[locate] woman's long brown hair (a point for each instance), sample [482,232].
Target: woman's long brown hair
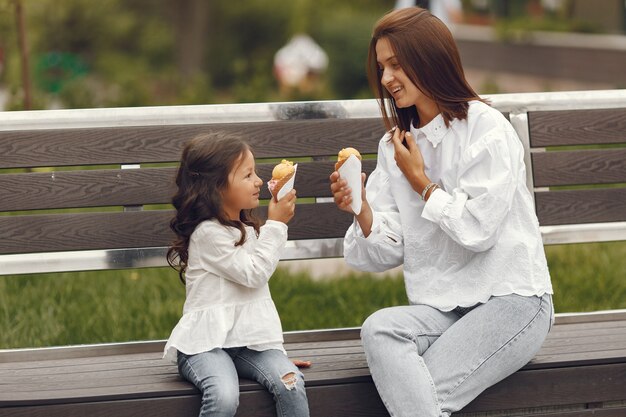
[427,53]
[202,176]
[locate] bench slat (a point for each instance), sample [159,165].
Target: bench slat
[119,187]
[579,167]
[132,145]
[551,387]
[577,127]
[581,206]
[85,231]
[179,406]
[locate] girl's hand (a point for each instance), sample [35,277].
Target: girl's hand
[410,161]
[284,209]
[301,364]
[342,194]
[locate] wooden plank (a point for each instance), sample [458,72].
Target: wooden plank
[93,188]
[131,145]
[599,346]
[590,412]
[584,340]
[581,206]
[550,387]
[130,349]
[78,353]
[117,187]
[85,231]
[603,166]
[539,388]
[577,127]
[180,406]
[577,359]
[590,316]
[346,400]
[338,400]
[583,325]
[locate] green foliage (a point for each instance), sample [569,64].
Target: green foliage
[346,302]
[119,53]
[347,52]
[588,277]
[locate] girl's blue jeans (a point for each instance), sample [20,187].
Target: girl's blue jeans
[431,363]
[216,374]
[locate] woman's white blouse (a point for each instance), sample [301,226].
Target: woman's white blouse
[476,237]
[228,302]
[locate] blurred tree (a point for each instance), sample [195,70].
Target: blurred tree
[153,52]
[190,23]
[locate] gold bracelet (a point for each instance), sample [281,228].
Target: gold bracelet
[432,191]
[427,188]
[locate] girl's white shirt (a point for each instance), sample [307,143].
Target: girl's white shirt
[228,301]
[476,237]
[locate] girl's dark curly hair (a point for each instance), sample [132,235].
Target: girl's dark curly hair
[202,176]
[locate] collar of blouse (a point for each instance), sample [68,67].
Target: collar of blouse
[434,131]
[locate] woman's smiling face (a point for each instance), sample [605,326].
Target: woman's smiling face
[393,78]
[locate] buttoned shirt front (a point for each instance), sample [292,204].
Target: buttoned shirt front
[477,236]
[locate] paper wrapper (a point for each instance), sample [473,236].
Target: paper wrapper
[351,172]
[288,185]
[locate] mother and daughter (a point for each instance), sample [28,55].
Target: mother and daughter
[447,200]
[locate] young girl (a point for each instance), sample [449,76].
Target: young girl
[230,327]
[448,199]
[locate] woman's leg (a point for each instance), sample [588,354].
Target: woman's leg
[273,369]
[394,339]
[486,345]
[215,376]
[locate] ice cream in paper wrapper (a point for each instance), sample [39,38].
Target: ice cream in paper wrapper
[350,171]
[283,189]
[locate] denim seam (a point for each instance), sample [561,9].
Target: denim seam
[432,385]
[504,346]
[414,335]
[386,404]
[195,375]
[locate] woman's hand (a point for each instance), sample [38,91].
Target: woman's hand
[284,209]
[342,195]
[410,161]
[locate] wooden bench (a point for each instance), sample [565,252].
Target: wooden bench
[579,372]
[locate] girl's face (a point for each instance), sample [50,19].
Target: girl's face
[244,187]
[394,79]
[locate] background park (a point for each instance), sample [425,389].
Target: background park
[127,53]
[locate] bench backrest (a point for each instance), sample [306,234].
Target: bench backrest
[116,166]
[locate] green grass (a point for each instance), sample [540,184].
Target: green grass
[113,306]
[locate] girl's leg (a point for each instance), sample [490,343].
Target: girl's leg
[394,339]
[273,369]
[486,345]
[215,376]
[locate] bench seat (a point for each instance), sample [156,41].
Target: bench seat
[584,358]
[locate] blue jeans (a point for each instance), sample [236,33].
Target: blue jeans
[431,363]
[216,374]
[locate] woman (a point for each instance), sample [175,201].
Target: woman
[448,200]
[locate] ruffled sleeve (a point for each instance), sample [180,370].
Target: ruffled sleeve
[383,249]
[488,174]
